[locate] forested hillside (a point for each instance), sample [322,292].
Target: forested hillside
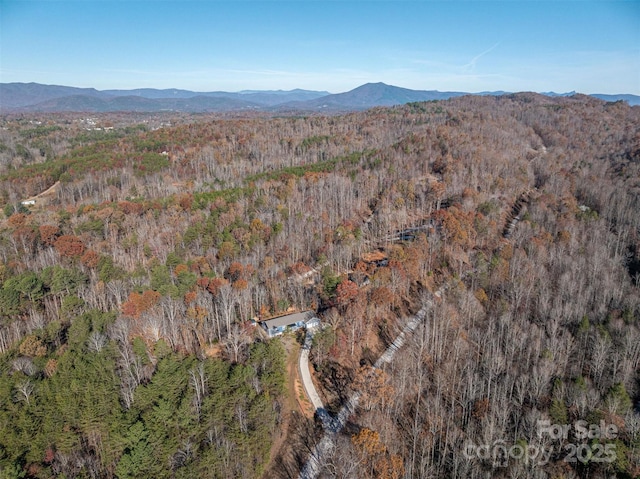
[134,250]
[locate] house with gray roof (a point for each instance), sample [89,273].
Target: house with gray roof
[288,322]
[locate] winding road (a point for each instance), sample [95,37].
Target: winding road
[305,373]
[333,425]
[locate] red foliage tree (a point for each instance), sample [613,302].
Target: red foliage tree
[190,297]
[129,207]
[48,234]
[16,220]
[346,291]
[215,284]
[186,201]
[235,271]
[69,246]
[138,303]
[90,259]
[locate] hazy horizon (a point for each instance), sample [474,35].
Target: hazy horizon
[588,47]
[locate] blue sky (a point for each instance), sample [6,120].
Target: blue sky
[590,47]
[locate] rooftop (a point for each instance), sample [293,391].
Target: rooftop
[288,319]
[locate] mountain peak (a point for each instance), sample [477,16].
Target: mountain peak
[38,97]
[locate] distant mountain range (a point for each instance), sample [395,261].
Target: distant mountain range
[50,98]
[35,97]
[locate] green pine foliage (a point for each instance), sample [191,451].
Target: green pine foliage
[68,405]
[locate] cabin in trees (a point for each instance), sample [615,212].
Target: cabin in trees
[377,258]
[289,322]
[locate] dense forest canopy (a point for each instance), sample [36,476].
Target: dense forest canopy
[134,250]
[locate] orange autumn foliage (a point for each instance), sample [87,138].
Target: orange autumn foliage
[69,246]
[240,284]
[138,303]
[190,297]
[16,220]
[346,291]
[90,259]
[48,234]
[181,268]
[215,285]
